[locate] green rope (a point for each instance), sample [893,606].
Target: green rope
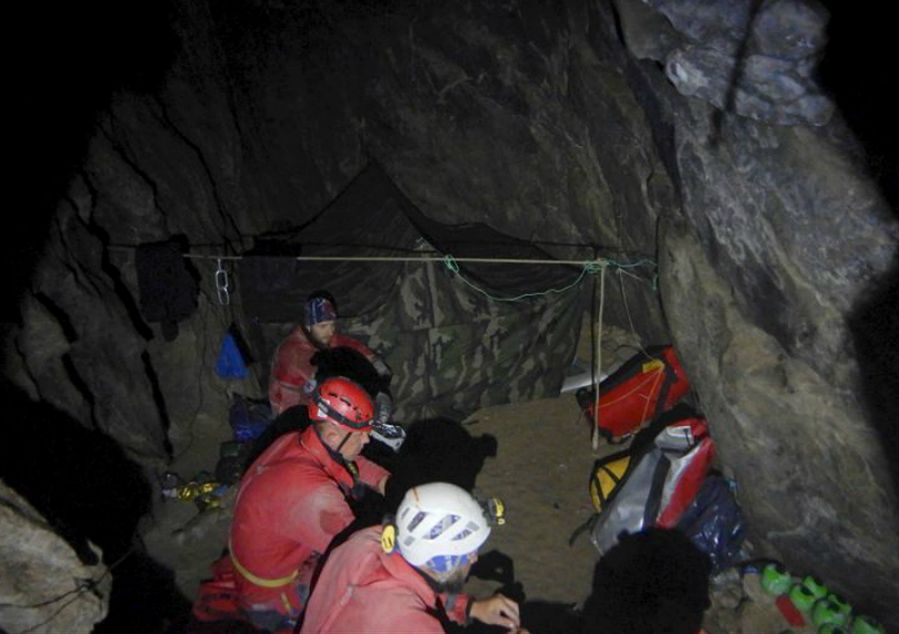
[591,267]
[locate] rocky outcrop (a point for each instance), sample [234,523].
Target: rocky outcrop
[754,58]
[781,238]
[45,587]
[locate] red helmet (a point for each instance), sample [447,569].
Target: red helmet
[343,401]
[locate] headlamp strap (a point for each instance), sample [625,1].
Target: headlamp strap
[337,416]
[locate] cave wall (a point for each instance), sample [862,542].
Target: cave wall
[615,124]
[782,238]
[268,111]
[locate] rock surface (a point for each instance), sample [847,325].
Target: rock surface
[753,58]
[45,587]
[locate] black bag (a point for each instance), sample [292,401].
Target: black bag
[168,288]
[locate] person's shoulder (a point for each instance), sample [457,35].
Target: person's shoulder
[290,456]
[297,337]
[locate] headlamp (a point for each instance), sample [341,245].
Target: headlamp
[494,511]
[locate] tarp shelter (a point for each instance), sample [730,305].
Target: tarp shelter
[451,347]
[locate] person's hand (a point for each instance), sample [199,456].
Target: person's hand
[497,610]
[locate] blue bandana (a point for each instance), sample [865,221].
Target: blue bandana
[319,309]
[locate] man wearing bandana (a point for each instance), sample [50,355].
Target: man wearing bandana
[292,370]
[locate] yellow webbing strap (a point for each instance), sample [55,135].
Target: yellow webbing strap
[259,581]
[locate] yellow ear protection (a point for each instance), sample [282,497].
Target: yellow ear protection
[388,536]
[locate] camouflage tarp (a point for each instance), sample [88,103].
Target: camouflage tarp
[452,349]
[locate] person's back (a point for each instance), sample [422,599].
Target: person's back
[291,503]
[267,540]
[364,589]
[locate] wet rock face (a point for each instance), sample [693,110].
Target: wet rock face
[691,132]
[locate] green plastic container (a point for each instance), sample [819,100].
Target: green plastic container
[827,612]
[866,625]
[776,580]
[815,587]
[841,603]
[802,598]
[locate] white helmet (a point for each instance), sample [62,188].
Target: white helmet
[439,520]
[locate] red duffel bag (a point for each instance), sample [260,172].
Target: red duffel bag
[646,386]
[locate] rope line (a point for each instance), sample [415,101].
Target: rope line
[630,321]
[594,440]
[588,267]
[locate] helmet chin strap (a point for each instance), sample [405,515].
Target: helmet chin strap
[343,442]
[349,465]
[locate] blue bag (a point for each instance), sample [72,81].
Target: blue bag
[230,364]
[248,418]
[714,523]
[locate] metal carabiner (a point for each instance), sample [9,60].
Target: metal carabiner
[221,284]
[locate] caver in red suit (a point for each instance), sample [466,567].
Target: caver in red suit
[292,363]
[404,578]
[291,503]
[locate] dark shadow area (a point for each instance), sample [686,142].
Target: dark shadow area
[88,490]
[537,616]
[858,70]
[859,73]
[494,566]
[438,450]
[875,331]
[351,364]
[651,582]
[144,598]
[69,62]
